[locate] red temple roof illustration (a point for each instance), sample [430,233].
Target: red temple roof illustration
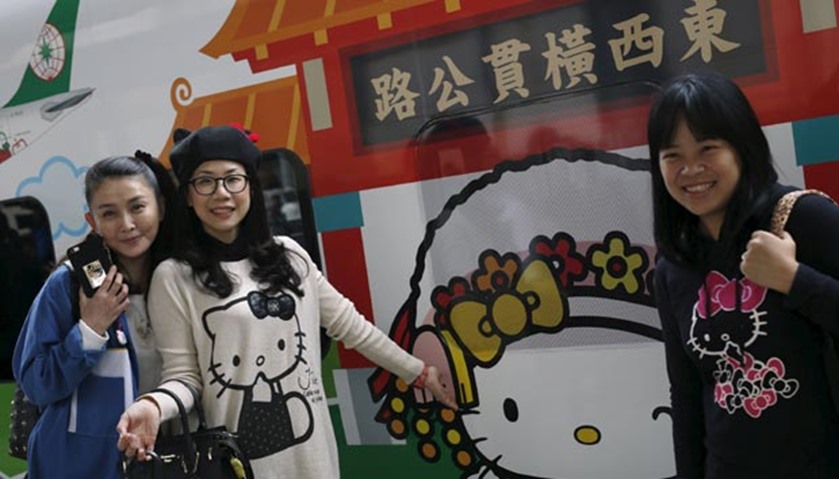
[272,109]
[255,24]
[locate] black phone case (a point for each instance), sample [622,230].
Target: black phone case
[91,262]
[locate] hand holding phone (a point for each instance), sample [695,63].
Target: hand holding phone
[110,300]
[105,294]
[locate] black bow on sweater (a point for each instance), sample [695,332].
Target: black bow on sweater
[261,305]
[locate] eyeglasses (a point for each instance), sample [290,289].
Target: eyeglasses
[207,185]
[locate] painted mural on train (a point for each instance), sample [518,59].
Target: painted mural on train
[478,181]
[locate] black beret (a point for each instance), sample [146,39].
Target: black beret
[211,143]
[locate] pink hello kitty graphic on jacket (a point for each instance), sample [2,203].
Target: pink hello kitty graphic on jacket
[742,382]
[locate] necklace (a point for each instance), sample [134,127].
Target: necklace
[144,327]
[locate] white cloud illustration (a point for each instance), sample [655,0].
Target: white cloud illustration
[57,177]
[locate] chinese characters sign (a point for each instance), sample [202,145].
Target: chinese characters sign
[589,44]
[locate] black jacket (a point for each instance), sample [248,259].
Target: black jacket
[748,384]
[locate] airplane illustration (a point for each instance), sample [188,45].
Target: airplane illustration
[43,98]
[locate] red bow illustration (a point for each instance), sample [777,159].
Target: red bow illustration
[722,293]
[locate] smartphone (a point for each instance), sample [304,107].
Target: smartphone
[91,261]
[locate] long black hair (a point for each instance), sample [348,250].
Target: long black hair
[272,266]
[158,178]
[713,107]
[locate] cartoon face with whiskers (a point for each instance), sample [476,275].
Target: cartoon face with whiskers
[720,325]
[270,348]
[545,331]
[587,412]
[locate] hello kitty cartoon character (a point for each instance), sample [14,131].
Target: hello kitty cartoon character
[718,330]
[532,292]
[261,371]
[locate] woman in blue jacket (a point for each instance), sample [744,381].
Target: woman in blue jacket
[83,368]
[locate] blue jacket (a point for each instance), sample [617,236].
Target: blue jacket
[81,393]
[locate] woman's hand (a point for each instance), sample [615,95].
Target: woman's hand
[440,393]
[138,428]
[105,306]
[769,260]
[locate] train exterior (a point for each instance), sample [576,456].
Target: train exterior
[473,174]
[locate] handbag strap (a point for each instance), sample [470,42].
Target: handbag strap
[191,456]
[191,450]
[196,405]
[783,208]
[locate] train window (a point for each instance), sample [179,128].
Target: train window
[288,203]
[288,199]
[473,141]
[26,259]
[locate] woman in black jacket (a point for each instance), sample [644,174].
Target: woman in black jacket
[744,312]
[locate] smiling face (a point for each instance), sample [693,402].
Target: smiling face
[701,175]
[221,212]
[127,215]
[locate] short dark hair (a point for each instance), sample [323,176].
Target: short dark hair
[713,107]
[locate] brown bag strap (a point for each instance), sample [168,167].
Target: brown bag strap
[783,208]
[780,215]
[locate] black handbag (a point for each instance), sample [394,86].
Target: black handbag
[25,413]
[204,453]
[23,418]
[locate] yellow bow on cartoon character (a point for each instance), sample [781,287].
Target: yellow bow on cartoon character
[533,304]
